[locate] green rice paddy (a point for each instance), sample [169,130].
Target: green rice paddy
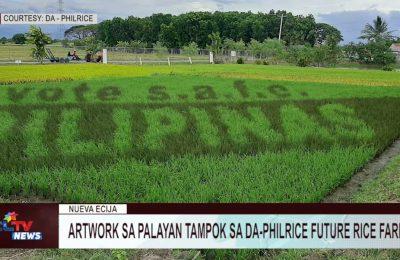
[197,134]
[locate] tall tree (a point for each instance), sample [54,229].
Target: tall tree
[19,38]
[376,31]
[216,42]
[168,36]
[39,39]
[326,33]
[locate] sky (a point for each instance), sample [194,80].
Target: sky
[349,16]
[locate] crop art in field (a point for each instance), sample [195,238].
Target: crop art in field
[83,93]
[69,133]
[190,138]
[100,129]
[71,127]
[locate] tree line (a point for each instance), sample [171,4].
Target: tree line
[177,31]
[304,42]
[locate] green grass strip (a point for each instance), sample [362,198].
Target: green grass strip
[207,131]
[300,128]
[35,134]
[255,123]
[162,123]
[7,121]
[69,136]
[123,135]
[345,123]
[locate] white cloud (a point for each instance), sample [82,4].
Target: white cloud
[123,8]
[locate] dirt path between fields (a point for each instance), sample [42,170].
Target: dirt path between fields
[344,193]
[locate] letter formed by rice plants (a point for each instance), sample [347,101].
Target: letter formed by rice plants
[345,123]
[123,134]
[7,121]
[162,123]
[34,134]
[239,126]
[68,139]
[300,129]
[207,131]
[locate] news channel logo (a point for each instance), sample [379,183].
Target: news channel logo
[19,229]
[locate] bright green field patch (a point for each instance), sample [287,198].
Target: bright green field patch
[189,139]
[60,72]
[292,176]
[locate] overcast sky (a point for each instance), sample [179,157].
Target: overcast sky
[347,15]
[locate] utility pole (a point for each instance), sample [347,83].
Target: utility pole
[61,10]
[280,28]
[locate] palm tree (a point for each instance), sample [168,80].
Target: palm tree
[377,31]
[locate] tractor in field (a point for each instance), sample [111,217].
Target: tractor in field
[70,57]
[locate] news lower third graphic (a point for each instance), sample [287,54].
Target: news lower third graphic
[184,226]
[76,18]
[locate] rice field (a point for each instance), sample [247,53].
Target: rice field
[69,72]
[231,133]
[13,52]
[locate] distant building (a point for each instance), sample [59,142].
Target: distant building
[395,48]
